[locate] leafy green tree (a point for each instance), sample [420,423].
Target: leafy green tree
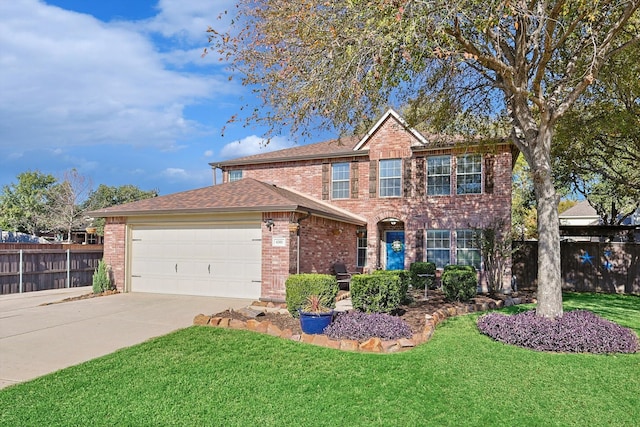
[335,64]
[598,143]
[106,196]
[24,205]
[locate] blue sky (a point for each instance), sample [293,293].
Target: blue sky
[119,91]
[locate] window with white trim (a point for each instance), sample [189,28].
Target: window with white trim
[467,249]
[439,247]
[362,251]
[390,178]
[340,181]
[439,175]
[469,174]
[235,175]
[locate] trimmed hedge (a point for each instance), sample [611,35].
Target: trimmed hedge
[459,282]
[380,291]
[300,286]
[422,268]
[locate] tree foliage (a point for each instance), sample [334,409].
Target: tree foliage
[598,143]
[24,205]
[336,64]
[106,196]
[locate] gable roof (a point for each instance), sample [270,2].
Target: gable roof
[390,113]
[245,195]
[581,209]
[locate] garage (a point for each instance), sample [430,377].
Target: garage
[222,260]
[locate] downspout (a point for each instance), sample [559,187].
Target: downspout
[302,218]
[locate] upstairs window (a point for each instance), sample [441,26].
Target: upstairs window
[235,175]
[439,175]
[467,250]
[438,247]
[390,178]
[340,181]
[469,174]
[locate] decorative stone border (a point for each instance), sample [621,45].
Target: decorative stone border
[372,345]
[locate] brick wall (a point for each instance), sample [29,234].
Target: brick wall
[115,243]
[414,209]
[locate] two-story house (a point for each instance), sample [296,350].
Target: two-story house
[381,201]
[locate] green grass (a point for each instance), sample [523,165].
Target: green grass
[207,376]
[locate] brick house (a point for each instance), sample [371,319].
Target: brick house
[381,201]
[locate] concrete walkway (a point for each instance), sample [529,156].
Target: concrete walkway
[37,339]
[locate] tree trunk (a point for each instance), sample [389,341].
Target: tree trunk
[549,278]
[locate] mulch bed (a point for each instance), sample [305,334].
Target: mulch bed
[85,296]
[413,313]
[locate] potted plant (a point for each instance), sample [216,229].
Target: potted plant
[315,315]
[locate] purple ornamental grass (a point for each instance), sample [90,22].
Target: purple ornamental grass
[356,325]
[578,331]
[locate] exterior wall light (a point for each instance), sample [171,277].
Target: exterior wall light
[269,223]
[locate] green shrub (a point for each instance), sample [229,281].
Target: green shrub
[459,282]
[379,292]
[101,282]
[422,268]
[299,287]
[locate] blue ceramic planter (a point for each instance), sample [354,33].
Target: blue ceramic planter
[314,323]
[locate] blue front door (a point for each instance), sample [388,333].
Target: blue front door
[395,250]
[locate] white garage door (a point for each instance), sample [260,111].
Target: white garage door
[211,260]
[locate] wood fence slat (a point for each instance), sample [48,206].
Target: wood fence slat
[610,267]
[45,267]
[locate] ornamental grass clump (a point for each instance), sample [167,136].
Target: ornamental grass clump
[578,331]
[356,325]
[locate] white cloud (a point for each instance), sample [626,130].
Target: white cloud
[68,79]
[196,178]
[188,20]
[208,153]
[254,145]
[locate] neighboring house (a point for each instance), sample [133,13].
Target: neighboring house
[582,213]
[378,202]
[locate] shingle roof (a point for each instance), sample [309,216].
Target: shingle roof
[333,148]
[245,195]
[580,209]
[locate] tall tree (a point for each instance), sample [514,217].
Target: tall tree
[334,63]
[23,205]
[105,196]
[598,143]
[65,199]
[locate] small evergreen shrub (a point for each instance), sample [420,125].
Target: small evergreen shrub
[299,287]
[380,291]
[355,325]
[422,268]
[459,282]
[578,331]
[100,279]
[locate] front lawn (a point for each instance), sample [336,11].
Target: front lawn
[208,376]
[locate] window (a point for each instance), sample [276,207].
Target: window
[467,250]
[362,250]
[439,175]
[469,174]
[390,178]
[439,247]
[340,181]
[235,176]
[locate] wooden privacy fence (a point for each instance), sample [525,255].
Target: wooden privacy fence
[27,268]
[585,266]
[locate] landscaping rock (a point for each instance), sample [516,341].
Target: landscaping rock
[201,320]
[249,312]
[372,344]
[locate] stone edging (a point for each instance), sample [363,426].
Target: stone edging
[372,345]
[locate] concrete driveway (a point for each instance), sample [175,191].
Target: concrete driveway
[37,339]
